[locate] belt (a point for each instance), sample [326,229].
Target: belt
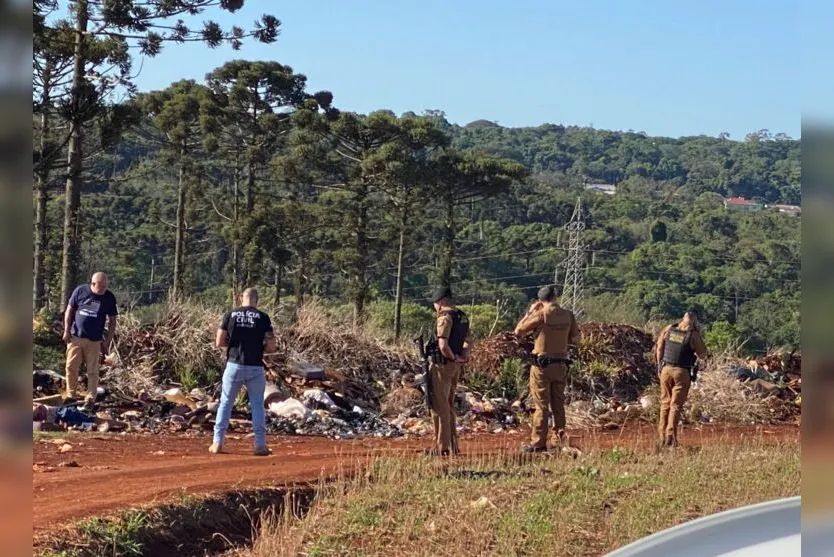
[544,361]
[678,365]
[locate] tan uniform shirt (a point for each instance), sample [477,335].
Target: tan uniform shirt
[696,342]
[554,328]
[444,327]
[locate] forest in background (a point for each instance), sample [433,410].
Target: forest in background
[247,178]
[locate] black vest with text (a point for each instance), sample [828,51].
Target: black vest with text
[677,351]
[460,329]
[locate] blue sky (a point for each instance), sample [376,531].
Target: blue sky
[666,67]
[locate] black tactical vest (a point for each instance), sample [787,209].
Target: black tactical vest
[677,351]
[460,328]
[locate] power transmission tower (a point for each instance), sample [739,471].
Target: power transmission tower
[575,263]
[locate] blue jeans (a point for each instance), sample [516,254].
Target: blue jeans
[234,377]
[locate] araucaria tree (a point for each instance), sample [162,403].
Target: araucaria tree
[182,120]
[122,27]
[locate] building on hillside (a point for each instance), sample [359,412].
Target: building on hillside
[791,210]
[742,205]
[608,189]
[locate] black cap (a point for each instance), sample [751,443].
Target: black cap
[440,293]
[548,293]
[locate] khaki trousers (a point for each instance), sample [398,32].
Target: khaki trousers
[444,380]
[674,388]
[547,387]
[82,350]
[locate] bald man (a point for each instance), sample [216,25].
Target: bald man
[84,332]
[246,333]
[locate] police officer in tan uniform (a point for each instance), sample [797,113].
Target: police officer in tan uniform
[454,343]
[676,349]
[553,328]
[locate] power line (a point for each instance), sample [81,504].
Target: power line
[506,289]
[575,266]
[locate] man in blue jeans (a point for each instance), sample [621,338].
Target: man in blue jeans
[245,333]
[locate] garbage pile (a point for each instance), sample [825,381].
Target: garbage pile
[332,382]
[613,361]
[774,377]
[493,351]
[173,411]
[771,372]
[294,417]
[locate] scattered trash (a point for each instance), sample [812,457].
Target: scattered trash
[482,503]
[290,408]
[65,448]
[572,452]
[315,398]
[272,394]
[309,371]
[343,386]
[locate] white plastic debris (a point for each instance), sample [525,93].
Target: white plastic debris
[646,402]
[272,394]
[290,408]
[358,410]
[482,503]
[316,395]
[198,394]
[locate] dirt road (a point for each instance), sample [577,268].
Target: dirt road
[102,474]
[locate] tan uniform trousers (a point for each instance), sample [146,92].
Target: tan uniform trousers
[82,350]
[674,388]
[444,381]
[547,387]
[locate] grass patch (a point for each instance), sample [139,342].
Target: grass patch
[116,537]
[193,525]
[46,435]
[512,506]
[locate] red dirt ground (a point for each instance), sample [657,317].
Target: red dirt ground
[115,472]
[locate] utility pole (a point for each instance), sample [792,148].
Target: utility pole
[575,263]
[150,286]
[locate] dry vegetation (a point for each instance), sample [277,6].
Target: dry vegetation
[555,506]
[178,346]
[613,366]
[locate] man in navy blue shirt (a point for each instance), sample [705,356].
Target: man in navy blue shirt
[84,332]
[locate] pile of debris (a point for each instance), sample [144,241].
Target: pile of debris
[612,361]
[358,387]
[183,338]
[174,411]
[490,353]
